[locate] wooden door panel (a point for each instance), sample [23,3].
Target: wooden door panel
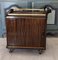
[29,31]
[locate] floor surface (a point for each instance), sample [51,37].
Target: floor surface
[51,52]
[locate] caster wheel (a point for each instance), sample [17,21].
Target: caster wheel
[6,46]
[40,51]
[11,50]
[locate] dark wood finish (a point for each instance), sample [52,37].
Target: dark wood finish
[26,31]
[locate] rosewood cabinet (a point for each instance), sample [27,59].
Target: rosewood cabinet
[26,30]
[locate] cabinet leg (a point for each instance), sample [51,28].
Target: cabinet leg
[11,50]
[6,46]
[40,51]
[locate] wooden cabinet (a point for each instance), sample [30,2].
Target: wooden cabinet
[26,31]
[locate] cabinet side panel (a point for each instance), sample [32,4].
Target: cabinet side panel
[11,31]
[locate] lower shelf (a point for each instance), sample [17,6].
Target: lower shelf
[40,49]
[22,47]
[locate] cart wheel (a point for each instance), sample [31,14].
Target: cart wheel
[6,46]
[11,50]
[40,51]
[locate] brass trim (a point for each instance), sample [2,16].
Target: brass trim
[28,9]
[12,14]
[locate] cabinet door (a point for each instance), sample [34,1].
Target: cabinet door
[35,31]
[11,31]
[29,31]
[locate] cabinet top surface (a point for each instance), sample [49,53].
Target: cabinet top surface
[27,12]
